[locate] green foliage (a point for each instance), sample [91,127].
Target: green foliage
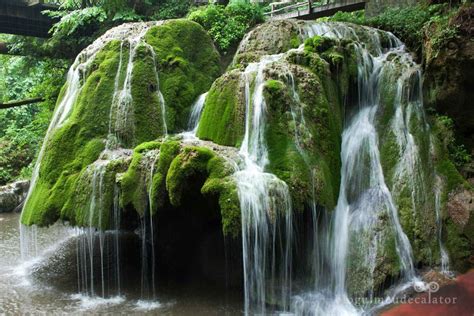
[409,23]
[172,9]
[357,17]
[406,23]
[458,153]
[76,21]
[22,128]
[227,25]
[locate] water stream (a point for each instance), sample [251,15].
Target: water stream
[264,202]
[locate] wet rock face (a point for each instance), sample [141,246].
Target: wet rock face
[448,77]
[461,211]
[12,196]
[461,207]
[274,37]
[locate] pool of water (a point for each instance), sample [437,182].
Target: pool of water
[47,282]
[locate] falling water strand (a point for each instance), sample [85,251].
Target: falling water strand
[152,228]
[116,232]
[161,99]
[196,111]
[439,223]
[264,201]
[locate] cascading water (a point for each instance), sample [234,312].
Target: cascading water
[264,200]
[366,217]
[147,235]
[121,121]
[444,257]
[195,116]
[364,199]
[196,111]
[91,239]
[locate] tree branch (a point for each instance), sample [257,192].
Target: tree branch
[20,103]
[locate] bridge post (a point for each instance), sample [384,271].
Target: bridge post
[310,6]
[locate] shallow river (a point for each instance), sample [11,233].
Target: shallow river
[45,284]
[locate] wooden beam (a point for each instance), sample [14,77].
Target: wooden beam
[20,103]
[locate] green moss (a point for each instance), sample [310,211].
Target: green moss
[274,85]
[220,184]
[451,175]
[146,103]
[223,118]
[304,153]
[295,41]
[131,186]
[189,167]
[319,44]
[389,155]
[458,246]
[168,151]
[146,146]
[185,71]
[188,64]
[75,144]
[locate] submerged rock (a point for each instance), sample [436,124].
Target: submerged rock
[13,195]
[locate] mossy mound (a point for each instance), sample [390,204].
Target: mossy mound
[163,175]
[304,94]
[176,56]
[274,37]
[188,63]
[223,118]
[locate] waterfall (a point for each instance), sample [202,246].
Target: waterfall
[148,287]
[444,257]
[264,201]
[121,121]
[95,247]
[364,197]
[345,242]
[75,79]
[194,117]
[196,111]
[116,232]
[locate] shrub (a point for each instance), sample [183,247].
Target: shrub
[227,25]
[458,153]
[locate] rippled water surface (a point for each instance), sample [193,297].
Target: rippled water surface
[47,283]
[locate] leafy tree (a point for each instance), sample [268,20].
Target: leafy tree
[227,25]
[22,129]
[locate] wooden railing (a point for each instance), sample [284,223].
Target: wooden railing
[299,8]
[302,7]
[44,2]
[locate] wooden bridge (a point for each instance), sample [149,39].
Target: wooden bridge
[309,9]
[24,17]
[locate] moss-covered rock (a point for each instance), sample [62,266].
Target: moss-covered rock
[274,37]
[188,63]
[105,115]
[223,118]
[163,175]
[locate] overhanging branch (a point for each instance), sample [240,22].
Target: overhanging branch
[20,103]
